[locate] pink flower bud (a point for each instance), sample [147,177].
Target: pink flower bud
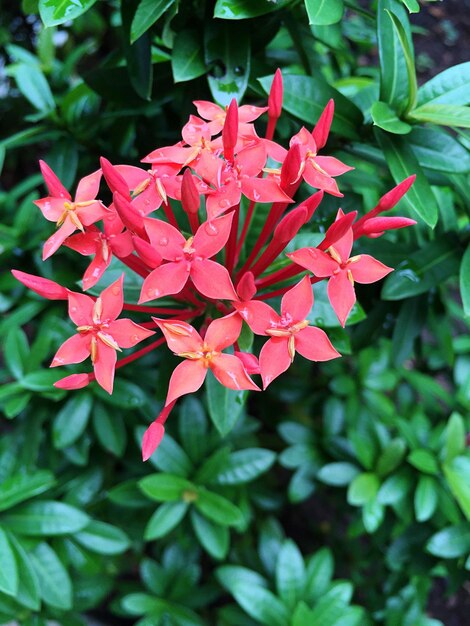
[275,96]
[74,381]
[42,286]
[131,218]
[246,287]
[230,130]
[322,129]
[115,181]
[151,439]
[189,193]
[147,252]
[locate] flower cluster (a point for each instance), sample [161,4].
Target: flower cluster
[206,190]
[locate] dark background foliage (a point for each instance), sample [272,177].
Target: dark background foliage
[362,462]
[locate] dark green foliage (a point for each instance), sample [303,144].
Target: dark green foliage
[341,496]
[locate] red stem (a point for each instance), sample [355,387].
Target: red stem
[272,121]
[232,242]
[282,290]
[135,264]
[276,277]
[246,225]
[170,216]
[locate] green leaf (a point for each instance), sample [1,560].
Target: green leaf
[54,12]
[322,313]
[103,538]
[28,588]
[71,421]
[302,615]
[230,576]
[454,437]
[425,269]
[444,114]
[8,570]
[465,281]
[408,53]
[46,518]
[171,458]
[457,473]
[242,9]
[403,163]
[141,604]
[109,429]
[148,12]
[165,518]
[394,84]
[225,405]
[209,469]
[227,57]
[386,118]
[451,542]
[435,149]
[165,487]
[138,55]
[187,60]
[218,509]
[260,604]
[363,489]
[20,487]
[305,97]
[290,574]
[16,352]
[452,86]
[193,425]
[126,395]
[391,457]
[213,537]
[54,583]
[337,474]
[372,515]
[425,499]
[245,465]
[413,7]
[423,460]
[42,380]
[324,12]
[319,572]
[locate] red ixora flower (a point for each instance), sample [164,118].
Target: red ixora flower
[189,258]
[203,354]
[342,269]
[99,333]
[289,332]
[69,215]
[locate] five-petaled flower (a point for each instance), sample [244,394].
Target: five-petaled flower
[289,332]
[203,354]
[99,333]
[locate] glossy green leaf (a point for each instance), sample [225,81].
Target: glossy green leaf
[402,163]
[218,509]
[465,281]
[319,571]
[424,460]
[261,604]
[187,60]
[103,538]
[444,114]
[28,587]
[423,270]
[243,9]
[225,405]
[324,12]
[214,538]
[323,315]
[165,487]
[305,97]
[46,518]
[20,487]
[425,499]
[71,421]
[408,53]
[54,582]
[138,54]
[412,5]
[452,86]
[42,380]
[373,515]
[457,473]
[451,542]
[302,615]
[35,88]
[16,351]
[245,465]
[338,474]
[141,604]
[436,149]
[54,12]
[290,574]
[148,12]
[454,437]
[110,429]
[165,518]
[385,117]
[391,456]
[171,458]
[8,569]
[363,489]
[193,425]
[227,57]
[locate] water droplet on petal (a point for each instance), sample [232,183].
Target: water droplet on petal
[115,291]
[112,217]
[163,241]
[224,204]
[73,309]
[146,201]
[135,338]
[153,293]
[211,229]
[256,195]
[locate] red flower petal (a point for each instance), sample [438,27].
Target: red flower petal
[95,270]
[368,270]
[165,238]
[112,300]
[53,184]
[320,181]
[258,315]
[212,280]
[104,365]
[180,336]
[151,439]
[344,245]
[127,333]
[57,239]
[341,295]
[164,281]
[74,350]
[332,166]
[81,309]
[223,332]
[51,208]
[212,236]
[313,343]
[187,377]
[314,260]
[88,187]
[322,128]
[229,371]
[274,359]
[298,301]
